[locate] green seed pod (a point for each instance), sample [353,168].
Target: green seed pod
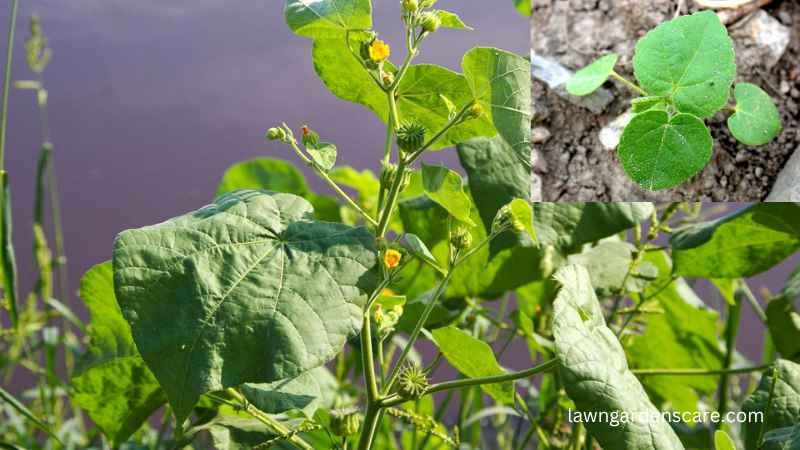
[276,134]
[412,381]
[430,22]
[345,422]
[410,5]
[461,238]
[411,136]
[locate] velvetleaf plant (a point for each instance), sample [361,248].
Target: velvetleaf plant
[685,69]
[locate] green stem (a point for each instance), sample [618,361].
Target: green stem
[468,382]
[367,358]
[629,84]
[753,301]
[264,418]
[293,143]
[731,333]
[394,194]
[12,25]
[371,419]
[459,117]
[699,372]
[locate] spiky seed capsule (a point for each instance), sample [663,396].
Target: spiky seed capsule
[391,258]
[411,5]
[379,51]
[461,238]
[310,137]
[411,136]
[430,22]
[345,422]
[276,134]
[412,381]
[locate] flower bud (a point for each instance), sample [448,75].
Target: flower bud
[411,136]
[387,78]
[412,382]
[475,111]
[503,220]
[427,3]
[345,422]
[410,5]
[310,137]
[391,258]
[388,173]
[430,22]
[276,134]
[461,238]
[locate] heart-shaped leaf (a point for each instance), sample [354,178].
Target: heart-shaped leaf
[659,151]
[444,186]
[501,82]
[324,154]
[326,18]
[112,382]
[261,290]
[756,120]
[591,77]
[689,59]
[595,372]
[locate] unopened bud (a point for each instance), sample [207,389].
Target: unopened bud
[461,238]
[310,137]
[276,134]
[345,422]
[388,79]
[411,5]
[475,111]
[430,22]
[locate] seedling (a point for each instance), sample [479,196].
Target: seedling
[685,69]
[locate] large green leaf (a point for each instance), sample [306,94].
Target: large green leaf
[783,323]
[683,336]
[260,289]
[783,411]
[595,372]
[689,59]
[473,358]
[659,151]
[608,264]
[326,18]
[741,244]
[501,82]
[756,120]
[570,225]
[591,77]
[782,439]
[419,95]
[112,383]
[444,186]
[279,176]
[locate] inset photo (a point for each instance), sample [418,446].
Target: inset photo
[666,100]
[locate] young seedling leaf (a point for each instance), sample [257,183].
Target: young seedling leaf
[756,120]
[722,441]
[473,358]
[642,104]
[414,244]
[590,78]
[659,151]
[784,409]
[741,244]
[501,83]
[595,372]
[327,18]
[324,154]
[451,20]
[112,383]
[444,186]
[252,273]
[689,59]
[276,175]
[569,225]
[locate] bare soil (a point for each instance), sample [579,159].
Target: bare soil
[574,166]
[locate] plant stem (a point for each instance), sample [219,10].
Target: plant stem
[264,418]
[293,143]
[468,382]
[367,358]
[629,84]
[394,194]
[731,333]
[699,372]
[12,25]
[753,301]
[453,122]
[371,419]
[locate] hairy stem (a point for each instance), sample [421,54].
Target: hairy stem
[629,84]
[731,333]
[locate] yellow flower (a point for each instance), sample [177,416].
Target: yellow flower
[379,51]
[388,292]
[391,258]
